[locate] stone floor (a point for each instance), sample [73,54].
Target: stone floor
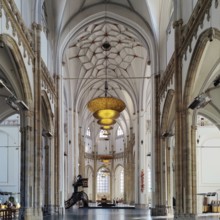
[115,214]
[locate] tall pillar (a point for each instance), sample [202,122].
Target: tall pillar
[27,166]
[163,172]
[190,145]
[184,149]
[31,155]
[112,192]
[193,169]
[129,161]
[38,197]
[46,182]
[180,186]
[169,195]
[142,151]
[50,147]
[81,154]
[158,156]
[56,152]
[126,172]
[94,175]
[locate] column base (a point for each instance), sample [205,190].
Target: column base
[30,214]
[50,210]
[185,216]
[159,211]
[141,206]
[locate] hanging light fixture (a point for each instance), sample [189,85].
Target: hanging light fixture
[105,158]
[106,109]
[106,113]
[106,132]
[106,121]
[106,127]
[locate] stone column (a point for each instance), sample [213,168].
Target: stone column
[56,151]
[180,175]
[112,191]
[169,197]
[164,143]
[27,166]
[37,184]
[190,163]
[46,175]
[94,175]
[193,170]
[126,172]
[158,185]
[81,154]
[50,149]
[129,170]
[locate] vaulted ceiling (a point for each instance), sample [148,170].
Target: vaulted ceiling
[131,30]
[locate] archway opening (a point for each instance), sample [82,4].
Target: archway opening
[10,154]
[207,151]
[103,184]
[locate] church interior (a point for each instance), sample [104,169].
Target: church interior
[115,101]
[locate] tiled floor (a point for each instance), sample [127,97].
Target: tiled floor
[114,214]
[104,214]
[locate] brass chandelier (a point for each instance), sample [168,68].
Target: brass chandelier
[106,109]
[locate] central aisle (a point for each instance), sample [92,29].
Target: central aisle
[105,214]
[116,214]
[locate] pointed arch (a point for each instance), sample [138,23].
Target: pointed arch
[168,108]
[195,60]
[47,110]
[22,70]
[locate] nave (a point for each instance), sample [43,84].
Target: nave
[119,214]
[104,214]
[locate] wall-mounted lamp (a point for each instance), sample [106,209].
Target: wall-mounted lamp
[49,134]
[11,102]
[1,84]
[167,134]
[216,81]
[22,105]
[200,101]
[2,44]
[46,133]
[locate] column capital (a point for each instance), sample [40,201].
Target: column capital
[178,23]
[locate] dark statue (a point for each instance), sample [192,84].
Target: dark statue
[78,196]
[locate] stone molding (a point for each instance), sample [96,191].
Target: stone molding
[13,16]
[188,31]
[196,20]
[46,77]
[166,109]
[200,46]
[166,80]
[159,211]
[93,156]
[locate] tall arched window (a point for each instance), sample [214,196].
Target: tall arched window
[88,132]
[119,131]
[149,179]
[102,134]
[119,183]
[103,181]
[122,181]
